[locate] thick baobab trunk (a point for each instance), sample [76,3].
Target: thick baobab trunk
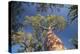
[53,42]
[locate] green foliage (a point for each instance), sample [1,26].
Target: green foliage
[74,41]
[46,21]
[17,37]
[39,47]
[73,13]
[15,11]
[61,22]
[39,23]
[44,33]
[43,7]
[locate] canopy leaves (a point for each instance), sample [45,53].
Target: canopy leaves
[73,13]
[57,22]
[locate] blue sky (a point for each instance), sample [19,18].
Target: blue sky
[65,35]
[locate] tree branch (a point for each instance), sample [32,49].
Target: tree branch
[43,27]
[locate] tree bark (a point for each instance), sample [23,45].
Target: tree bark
[53,42]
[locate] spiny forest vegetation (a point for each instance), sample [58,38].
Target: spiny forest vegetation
[40,26]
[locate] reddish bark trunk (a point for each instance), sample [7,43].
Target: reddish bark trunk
[53,41]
